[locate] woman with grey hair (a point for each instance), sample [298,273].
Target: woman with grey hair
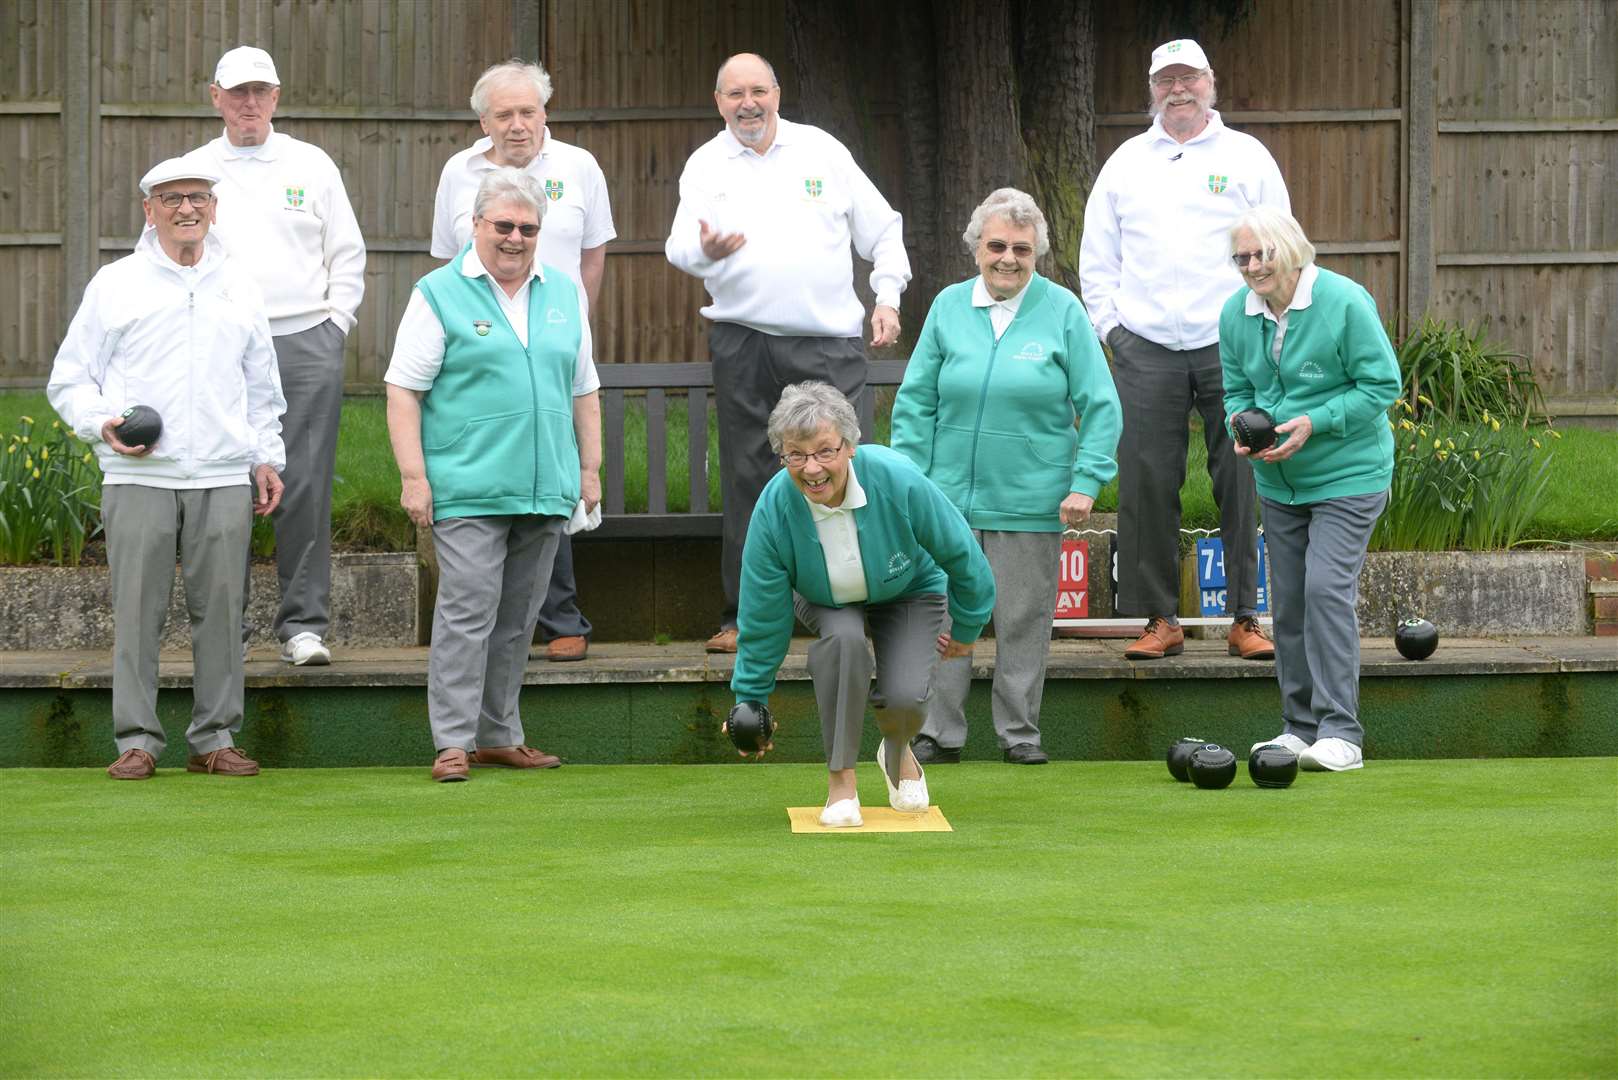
[850,549]
[1005,365]
[496,427]
[1309,375]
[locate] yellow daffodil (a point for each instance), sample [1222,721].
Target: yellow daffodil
[1476,456]
[1554,433]
[36,474]
[1425,400]
[44,453]
[1496,424]
[29,420]
[1443,455]
[1438,444]
[1535,442]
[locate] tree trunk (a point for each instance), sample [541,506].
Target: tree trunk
[1058,114]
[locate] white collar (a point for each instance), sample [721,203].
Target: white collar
[268,150]
[472,267]
[1302,296]
[479,161]
[853,498]
[981,297]
[734,147]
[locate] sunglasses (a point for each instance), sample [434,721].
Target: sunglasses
[504,228]
[1000,247]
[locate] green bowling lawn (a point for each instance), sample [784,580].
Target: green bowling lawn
[1414,919]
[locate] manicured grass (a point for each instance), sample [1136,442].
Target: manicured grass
[1414,919]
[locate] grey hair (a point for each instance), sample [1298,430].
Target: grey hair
[1153,107]
[805,408]
[509,71]
[1017,207]
[719,77]
[509,185]
[1276,229]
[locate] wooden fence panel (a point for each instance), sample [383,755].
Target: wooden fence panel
[1522,59]
[1532,192]
[31,316]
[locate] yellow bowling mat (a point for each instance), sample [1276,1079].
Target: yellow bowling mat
[806,819]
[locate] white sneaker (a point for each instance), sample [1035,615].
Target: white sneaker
[305,648]
[842,814]
[1288,740]
[910,796]
[1331,755]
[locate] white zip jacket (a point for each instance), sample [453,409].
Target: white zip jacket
[193,343]
[1155,256]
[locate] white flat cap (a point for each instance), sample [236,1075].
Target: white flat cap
[245,64]
[190,167]
[1180,51]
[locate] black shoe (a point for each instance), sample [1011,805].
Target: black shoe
[928,752]
[1026,753]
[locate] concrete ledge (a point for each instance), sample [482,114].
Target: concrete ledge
[1476,594]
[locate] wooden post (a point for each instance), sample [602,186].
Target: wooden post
[1421,132]
[81,140]
[528,29]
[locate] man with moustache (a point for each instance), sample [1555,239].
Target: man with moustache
[509,99]
[1155,270]
[768,210]
[177,326]
[284,212]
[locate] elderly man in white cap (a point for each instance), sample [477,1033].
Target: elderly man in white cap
[177,327]
[1155,269]
[283,209]
[509,99]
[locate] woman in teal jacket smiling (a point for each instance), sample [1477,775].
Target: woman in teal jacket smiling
[1005,364]
[853,537]
[1306,346]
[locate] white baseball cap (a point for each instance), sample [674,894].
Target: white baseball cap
[190,167]
[245,64]
[1179,51]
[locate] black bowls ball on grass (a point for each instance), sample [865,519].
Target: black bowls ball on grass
[1212,766]
[142,426]
[1272,766]
[1180,758]
[1416,639]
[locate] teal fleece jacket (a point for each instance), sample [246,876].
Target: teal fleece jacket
[1338,368]
[991,423]
[497,425]
[912,542]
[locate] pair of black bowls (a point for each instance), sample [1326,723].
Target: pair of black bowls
[1209,765]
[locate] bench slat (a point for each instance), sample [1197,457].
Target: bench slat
[657,451]
[612,437]
[696,422]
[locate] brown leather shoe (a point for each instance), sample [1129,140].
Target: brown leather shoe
[1162,638]
[724,641]
[227,761]
[450,766]
[1249,641]
[572,647]
[132,764]
[515,757]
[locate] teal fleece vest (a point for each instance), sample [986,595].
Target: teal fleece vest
[497,426]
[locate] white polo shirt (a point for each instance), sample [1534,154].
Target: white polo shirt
[418,347]
[840,541]
[577,213]
[800,204]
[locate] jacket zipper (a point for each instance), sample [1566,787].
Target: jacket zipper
[191,354]
[1276,364]
[977,426]
[533,396]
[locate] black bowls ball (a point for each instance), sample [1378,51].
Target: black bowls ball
[750,726]
[1254,429]
[1212,766]
[1272,766]
[141,427]
[1415,639]
[1180,757]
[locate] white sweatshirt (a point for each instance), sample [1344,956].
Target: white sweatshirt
[799,205]
[285,214]
[190,341]
[1155,256]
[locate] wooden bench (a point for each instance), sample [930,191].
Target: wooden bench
[656,381]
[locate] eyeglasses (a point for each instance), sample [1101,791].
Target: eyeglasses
[172,199]
[825,456]
[999,247]
[1242,258]
[504,228]
[1169,82]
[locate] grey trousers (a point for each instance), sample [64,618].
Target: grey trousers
[311,363]
[1158,387]
[905,633]
[750,369]
[491,580]
[210,528]
[1025,585]
[1315,553]
[560,616]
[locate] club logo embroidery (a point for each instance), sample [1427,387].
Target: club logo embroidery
[553,190]
[554,317]
[294,198]
[1217,183]
[1033,350]
[898,563]
[1173,46]
[1311,371]
[814,186]
[482,326]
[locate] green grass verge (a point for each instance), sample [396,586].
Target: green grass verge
[1416,919]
